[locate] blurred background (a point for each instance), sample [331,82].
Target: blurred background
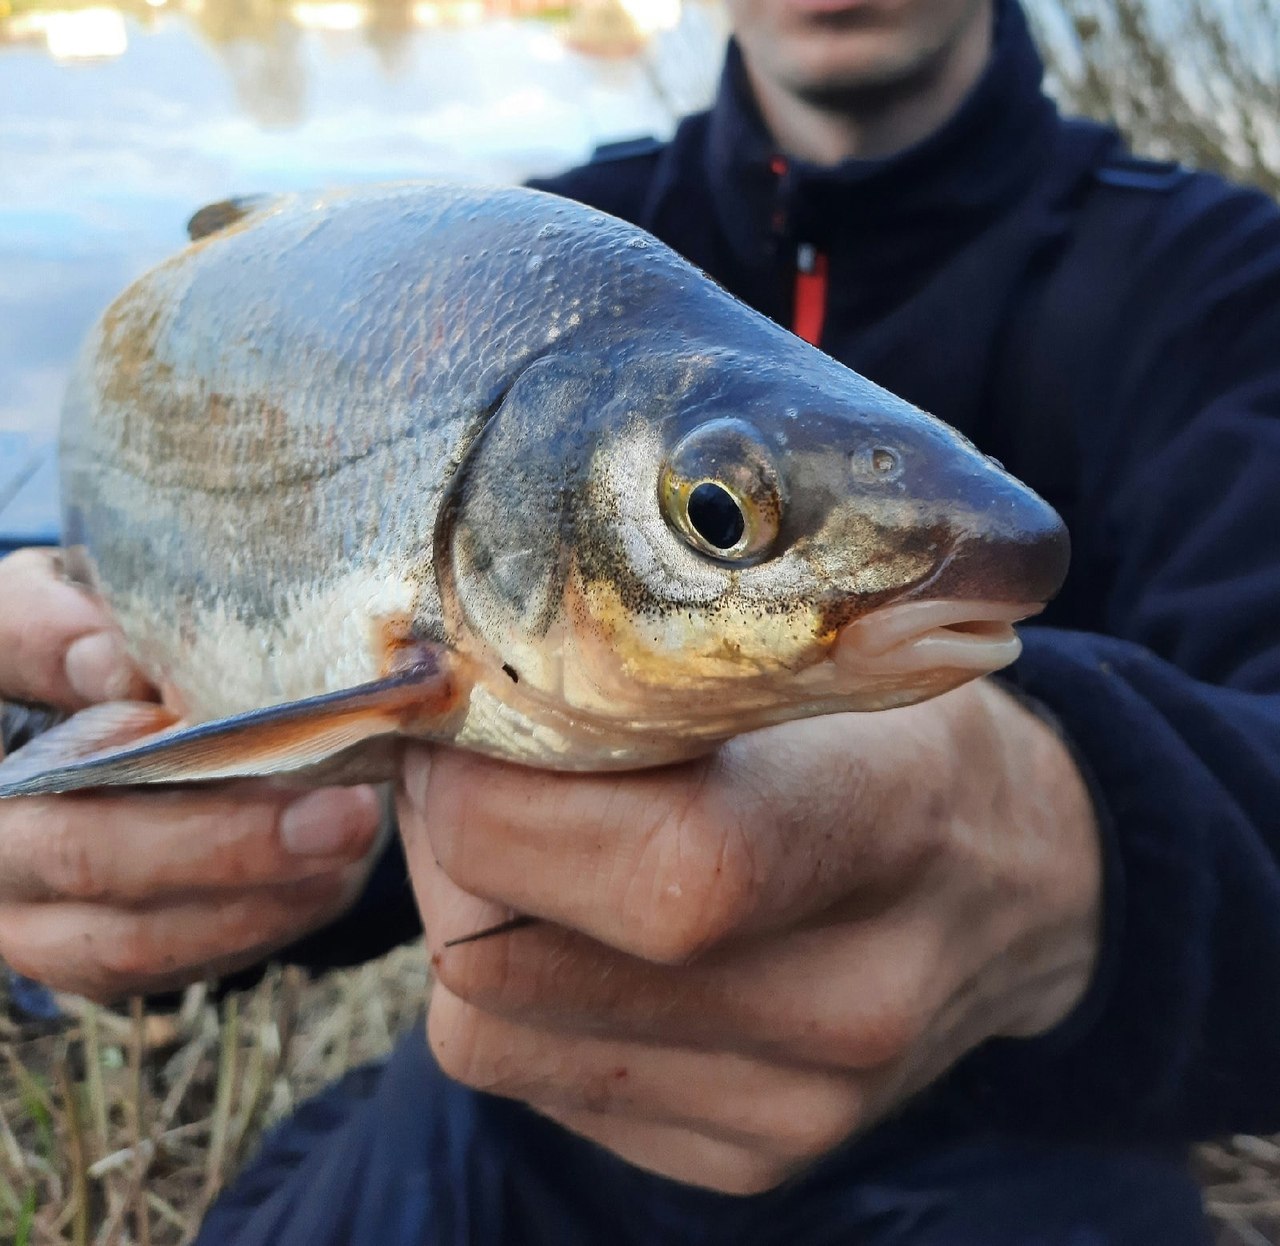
[117,121]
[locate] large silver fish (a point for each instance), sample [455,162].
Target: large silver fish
[492,468]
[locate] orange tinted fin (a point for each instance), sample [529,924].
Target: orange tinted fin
[78,754]
[98,729]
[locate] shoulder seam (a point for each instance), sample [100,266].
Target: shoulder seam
[1126,172]
[627,149]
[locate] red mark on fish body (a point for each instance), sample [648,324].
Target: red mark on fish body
[399,646]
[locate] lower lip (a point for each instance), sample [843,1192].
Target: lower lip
[913,637]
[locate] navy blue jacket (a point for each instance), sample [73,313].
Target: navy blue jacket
[1110,329]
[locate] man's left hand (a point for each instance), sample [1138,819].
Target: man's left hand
[749,958]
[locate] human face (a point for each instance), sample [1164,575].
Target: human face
[826,50]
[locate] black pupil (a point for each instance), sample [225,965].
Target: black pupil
[715,516]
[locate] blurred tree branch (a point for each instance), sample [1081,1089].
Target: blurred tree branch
[1190,80]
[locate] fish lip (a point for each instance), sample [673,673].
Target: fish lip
[911,636]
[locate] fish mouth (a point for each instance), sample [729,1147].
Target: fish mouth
[916,636]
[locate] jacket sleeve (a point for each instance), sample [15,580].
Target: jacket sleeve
[1174,713]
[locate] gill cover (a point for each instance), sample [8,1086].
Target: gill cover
[507,529]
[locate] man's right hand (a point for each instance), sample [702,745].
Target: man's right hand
[134,892]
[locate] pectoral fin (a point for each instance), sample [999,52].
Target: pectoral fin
[85,752]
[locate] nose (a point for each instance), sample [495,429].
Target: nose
[1011,547]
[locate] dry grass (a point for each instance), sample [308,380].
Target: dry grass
[119,1128]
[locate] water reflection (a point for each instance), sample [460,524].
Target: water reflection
[92,30]
[117,121]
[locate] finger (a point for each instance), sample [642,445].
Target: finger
[57,645]
[664,864]
[769,999]
[133,848]
[105,954]
[790,1113]
[681,1154]
[449,913]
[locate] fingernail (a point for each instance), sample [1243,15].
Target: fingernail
[330,821]
[98,669]
[417,774]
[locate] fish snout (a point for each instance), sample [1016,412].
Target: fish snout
[1016,551]
[1008,558]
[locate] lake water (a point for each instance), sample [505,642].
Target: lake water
[117,122]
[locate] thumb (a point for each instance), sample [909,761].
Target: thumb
[57,645]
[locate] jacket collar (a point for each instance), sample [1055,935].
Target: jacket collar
[933,193]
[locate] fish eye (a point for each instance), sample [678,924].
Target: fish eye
[714,514]
[720,490]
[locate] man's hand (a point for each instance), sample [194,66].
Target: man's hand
[759,954]
[136,892]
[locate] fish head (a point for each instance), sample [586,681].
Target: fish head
[722,543]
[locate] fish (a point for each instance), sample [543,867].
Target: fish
[490,468]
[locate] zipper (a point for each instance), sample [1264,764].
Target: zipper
[809,303]
[809,288]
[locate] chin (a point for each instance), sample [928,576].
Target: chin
[829,50]
[871,62]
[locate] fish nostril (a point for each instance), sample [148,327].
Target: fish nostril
[876,463]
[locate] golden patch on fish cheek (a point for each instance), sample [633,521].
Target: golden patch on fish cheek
[620,660]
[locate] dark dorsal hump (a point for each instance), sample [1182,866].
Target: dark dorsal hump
[214,217]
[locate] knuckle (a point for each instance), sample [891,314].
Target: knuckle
[128,956]
[806,1126]
[893,1033]
[15,953]
[749,1174]
[484,976]
[455,1031]
[60,974]
[698,883]
[66,860]
[25,564]
[26,558]
[877,1037]
[891,1002]
[65,959]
